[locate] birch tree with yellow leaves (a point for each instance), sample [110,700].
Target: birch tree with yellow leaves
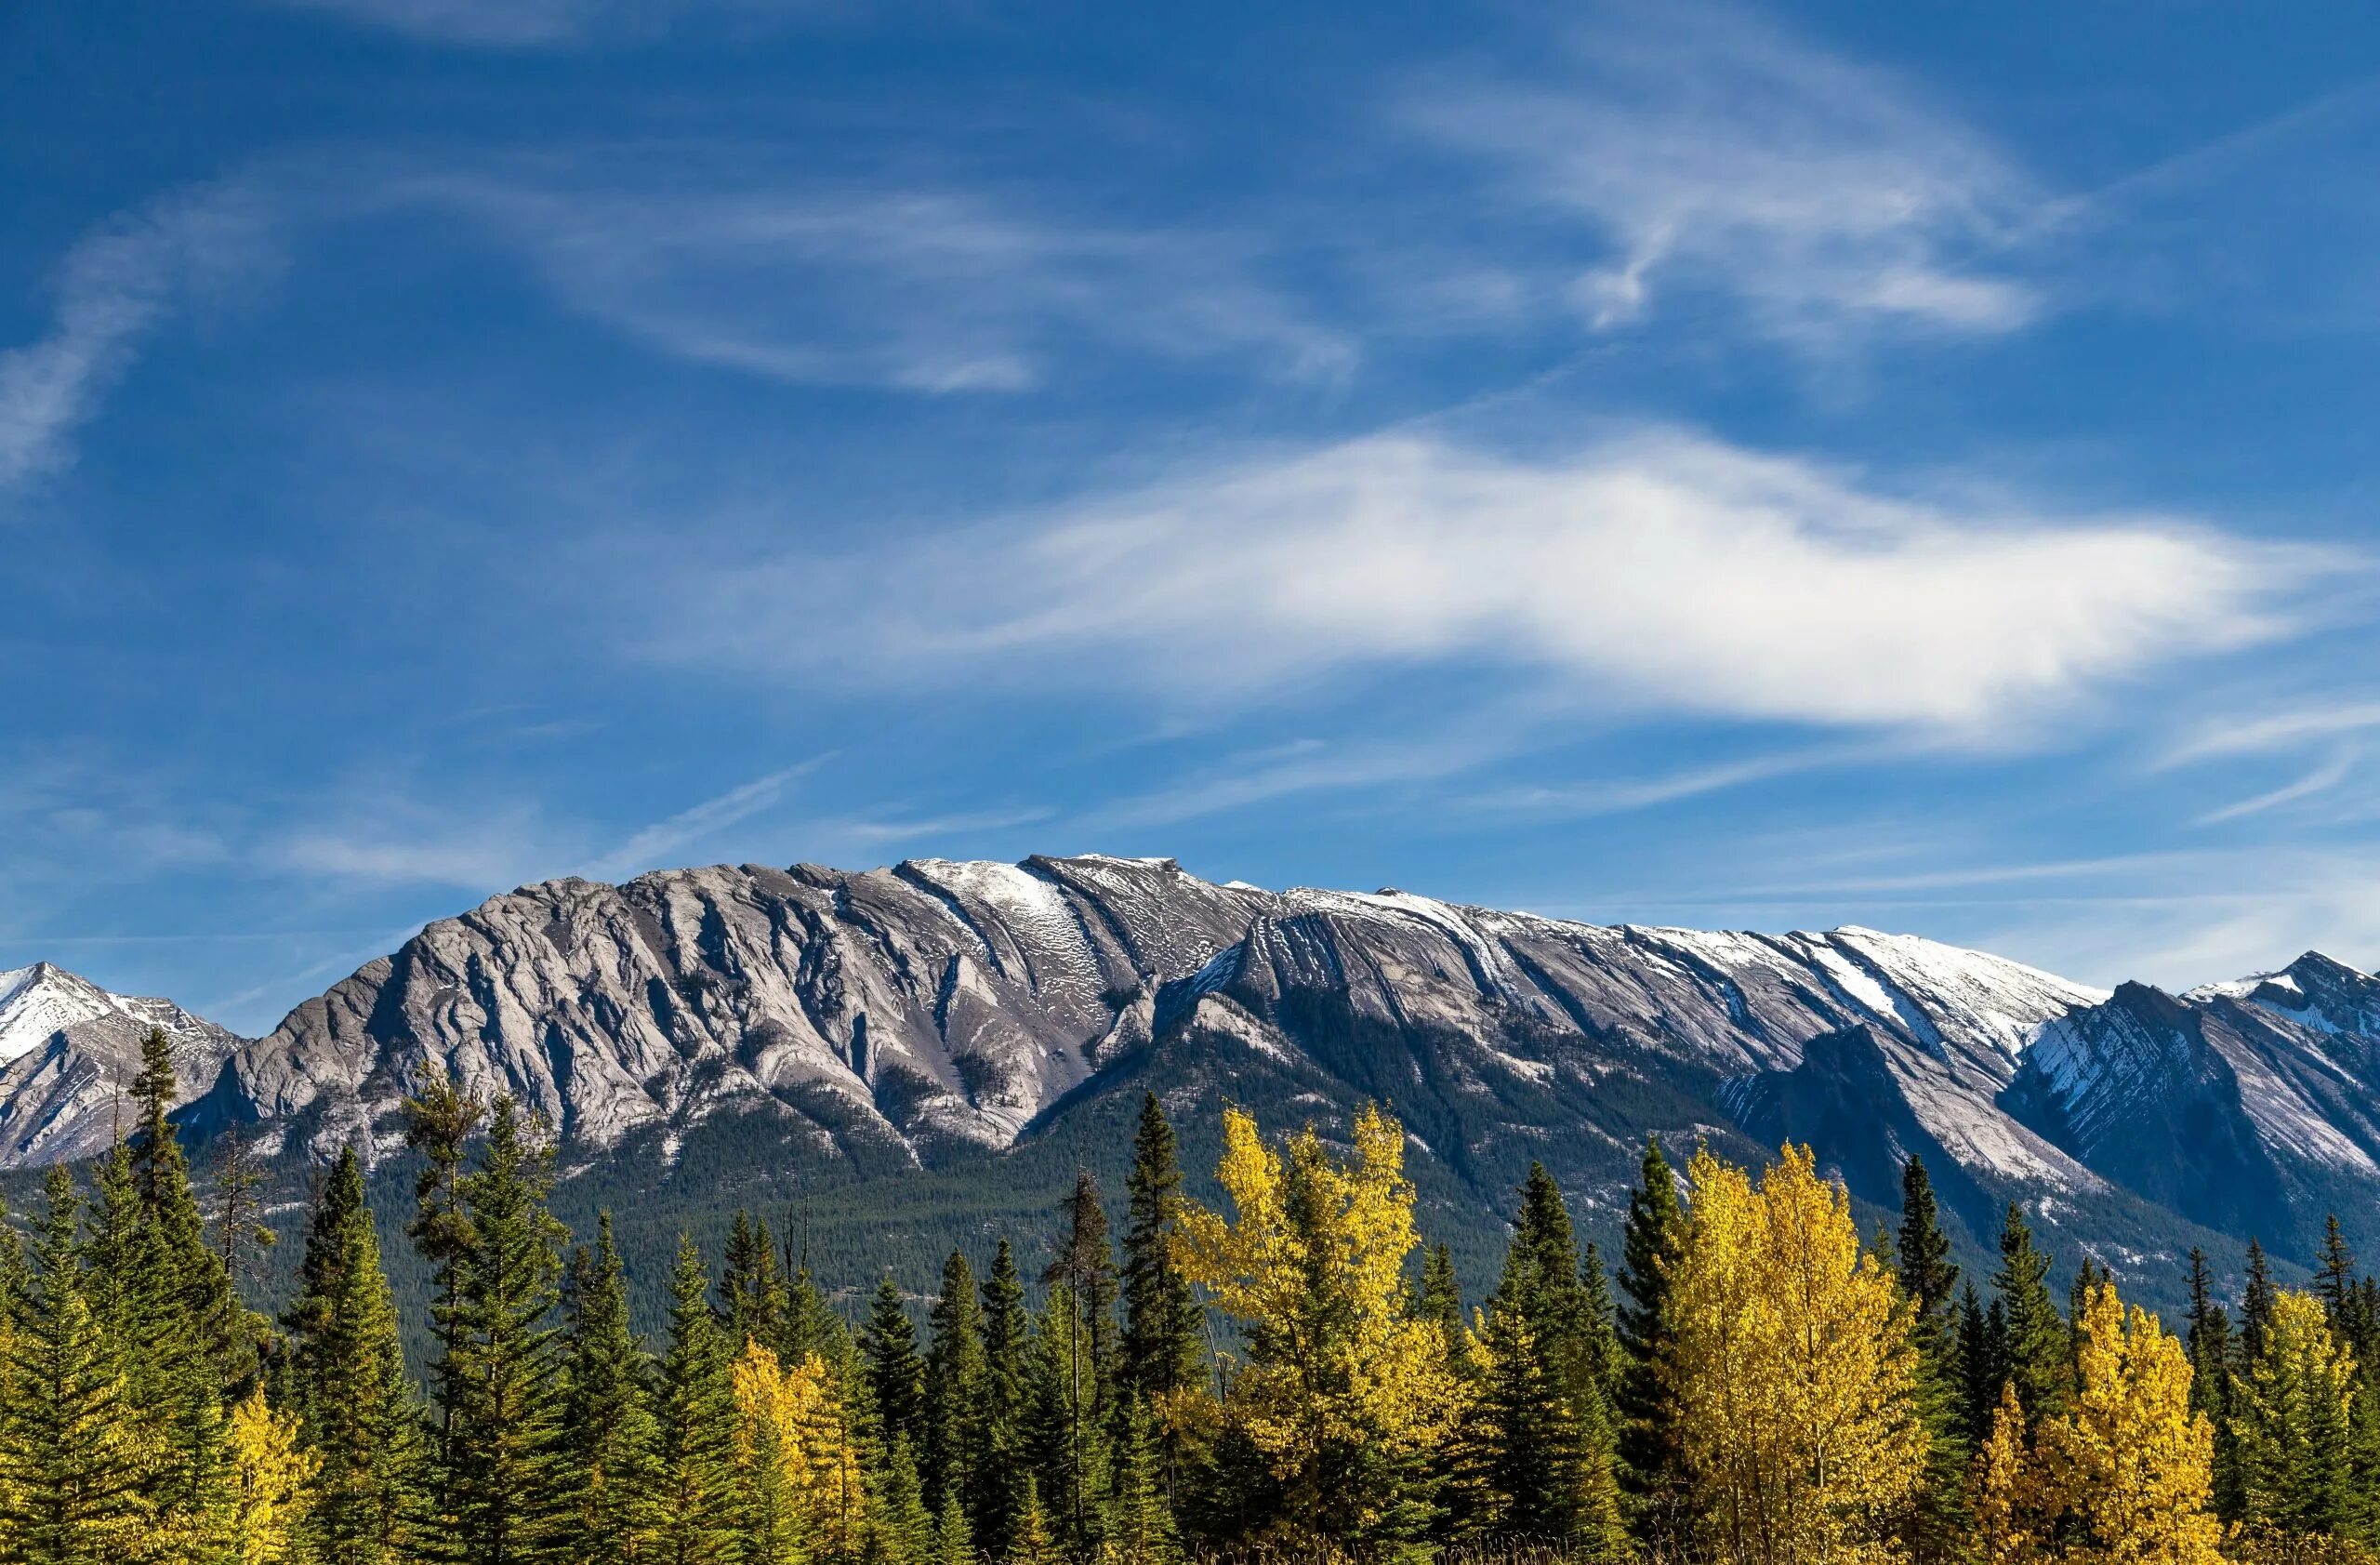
[1795,1371]
[1345,1387]
[2123,1476]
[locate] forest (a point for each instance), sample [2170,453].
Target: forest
[1292,1374]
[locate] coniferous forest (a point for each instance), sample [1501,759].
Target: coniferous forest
[1291,1374]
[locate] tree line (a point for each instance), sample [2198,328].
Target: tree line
[1292,1372]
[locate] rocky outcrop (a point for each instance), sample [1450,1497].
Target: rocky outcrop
[69,1053]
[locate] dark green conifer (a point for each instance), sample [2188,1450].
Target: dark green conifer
[1982,1367]
[694,1419]
[2039,1349]
[954,1385]
[752,1288]
[1065,1447]
[609,1436]
[504,1460]
[346,1381]
[69,1464]
[440,1121]
[2212,1355]
[1938,1526]
[1652,1459]
[1139,1528]
[900,1527]
[998,1497]
[2256,1303]
[1163,1348]
[1085,1269]
[895,1376]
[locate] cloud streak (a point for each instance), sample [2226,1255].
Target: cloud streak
[1660,569]
[1700,149]
[113,288]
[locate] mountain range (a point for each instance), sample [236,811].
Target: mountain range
[940,1020]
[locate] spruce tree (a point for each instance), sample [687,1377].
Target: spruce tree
[751,1286]
[609,1436]
[346,1381]
[2292,1419]
[1981,1369]
[997,1500]
[503,1459]
[1603,1352]
[1939,1523]
[438,1122]
[900,1527]
[954,1385]
[895,1376]
[1163,1348]
[1085,1269]
[2040,1350]
[1437,1298]
[1652,1459]
[70,1452]
[1139,1528]
[1066,1449]
[811,1325]
[2256,1304]
[2212,1354]
[695,1418]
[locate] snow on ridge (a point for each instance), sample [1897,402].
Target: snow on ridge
[1036,911]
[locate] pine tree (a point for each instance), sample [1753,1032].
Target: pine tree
[2212,1352]
[2291,1423]
[1652,1463]
[997,1500]
[199,1338]
[900,1530]
[1163,1348]
[440,1121]
[242,1242]
[1437,1298]
[954,1385]
[1938,1525]
[753,1289]
[1064,1446]
[695,1418]
[70,1456]
[2039,1348]
[954,1544]
[1086,1269]
[1603,1355]
[2256,1304]
[1031,1544]
[345,1381]
[1982,1370]
[896,1377]
[1140,1527]
[503,1460]
[810,1324]
[609,1436]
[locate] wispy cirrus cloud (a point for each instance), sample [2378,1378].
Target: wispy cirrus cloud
[1699,148]
[723,256]
[109,290]
[534,24]
[1659,569]
[655,846]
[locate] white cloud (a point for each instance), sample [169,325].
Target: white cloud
[2261,733]
[110,290]
[721,257]
[2322,779]
[1660,569]
[657,845]
[1704,149]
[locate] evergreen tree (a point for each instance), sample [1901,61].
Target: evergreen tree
[811,1325]
[440,1121]
[694,1419]
[346,1381]
[2291,1423]
[753,1289]
[2335,1275]
[1085,1269]
[1437,1298]
[1938,1524]
[1603,1354]
[2212,1352]
[901,1529]
[1140,1527]
[954,1543]
[1163,1349]
[1031,1543]
[2039,1348]
[1652,1461]
[609,1436]
[954,1384]
[70,1460]
[896,1377]
[2256,1304]
[998,1499]
[503,1458]
[1982,1368]
[1064,1445]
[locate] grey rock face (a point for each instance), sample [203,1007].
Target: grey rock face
[69,1053]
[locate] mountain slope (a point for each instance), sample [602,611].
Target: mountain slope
[69,1053]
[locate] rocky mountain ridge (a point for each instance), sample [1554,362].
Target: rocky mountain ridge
[934,1011]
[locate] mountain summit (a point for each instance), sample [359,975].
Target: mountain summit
[935,1012]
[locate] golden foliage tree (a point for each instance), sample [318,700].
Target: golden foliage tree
[1795,1370]
[271,1475]
[2123,1476]
[1345,1387]
[798,1475]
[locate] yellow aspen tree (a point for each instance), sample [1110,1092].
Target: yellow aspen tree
[2008,1513]
[2127,1469]
[1795,1372]
[270,1476]
[1342,1376]
[799,1473]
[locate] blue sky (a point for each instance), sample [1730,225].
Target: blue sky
[1756,466]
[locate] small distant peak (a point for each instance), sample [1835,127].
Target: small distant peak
[1388,891]
[1859,929]
[2315,961]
